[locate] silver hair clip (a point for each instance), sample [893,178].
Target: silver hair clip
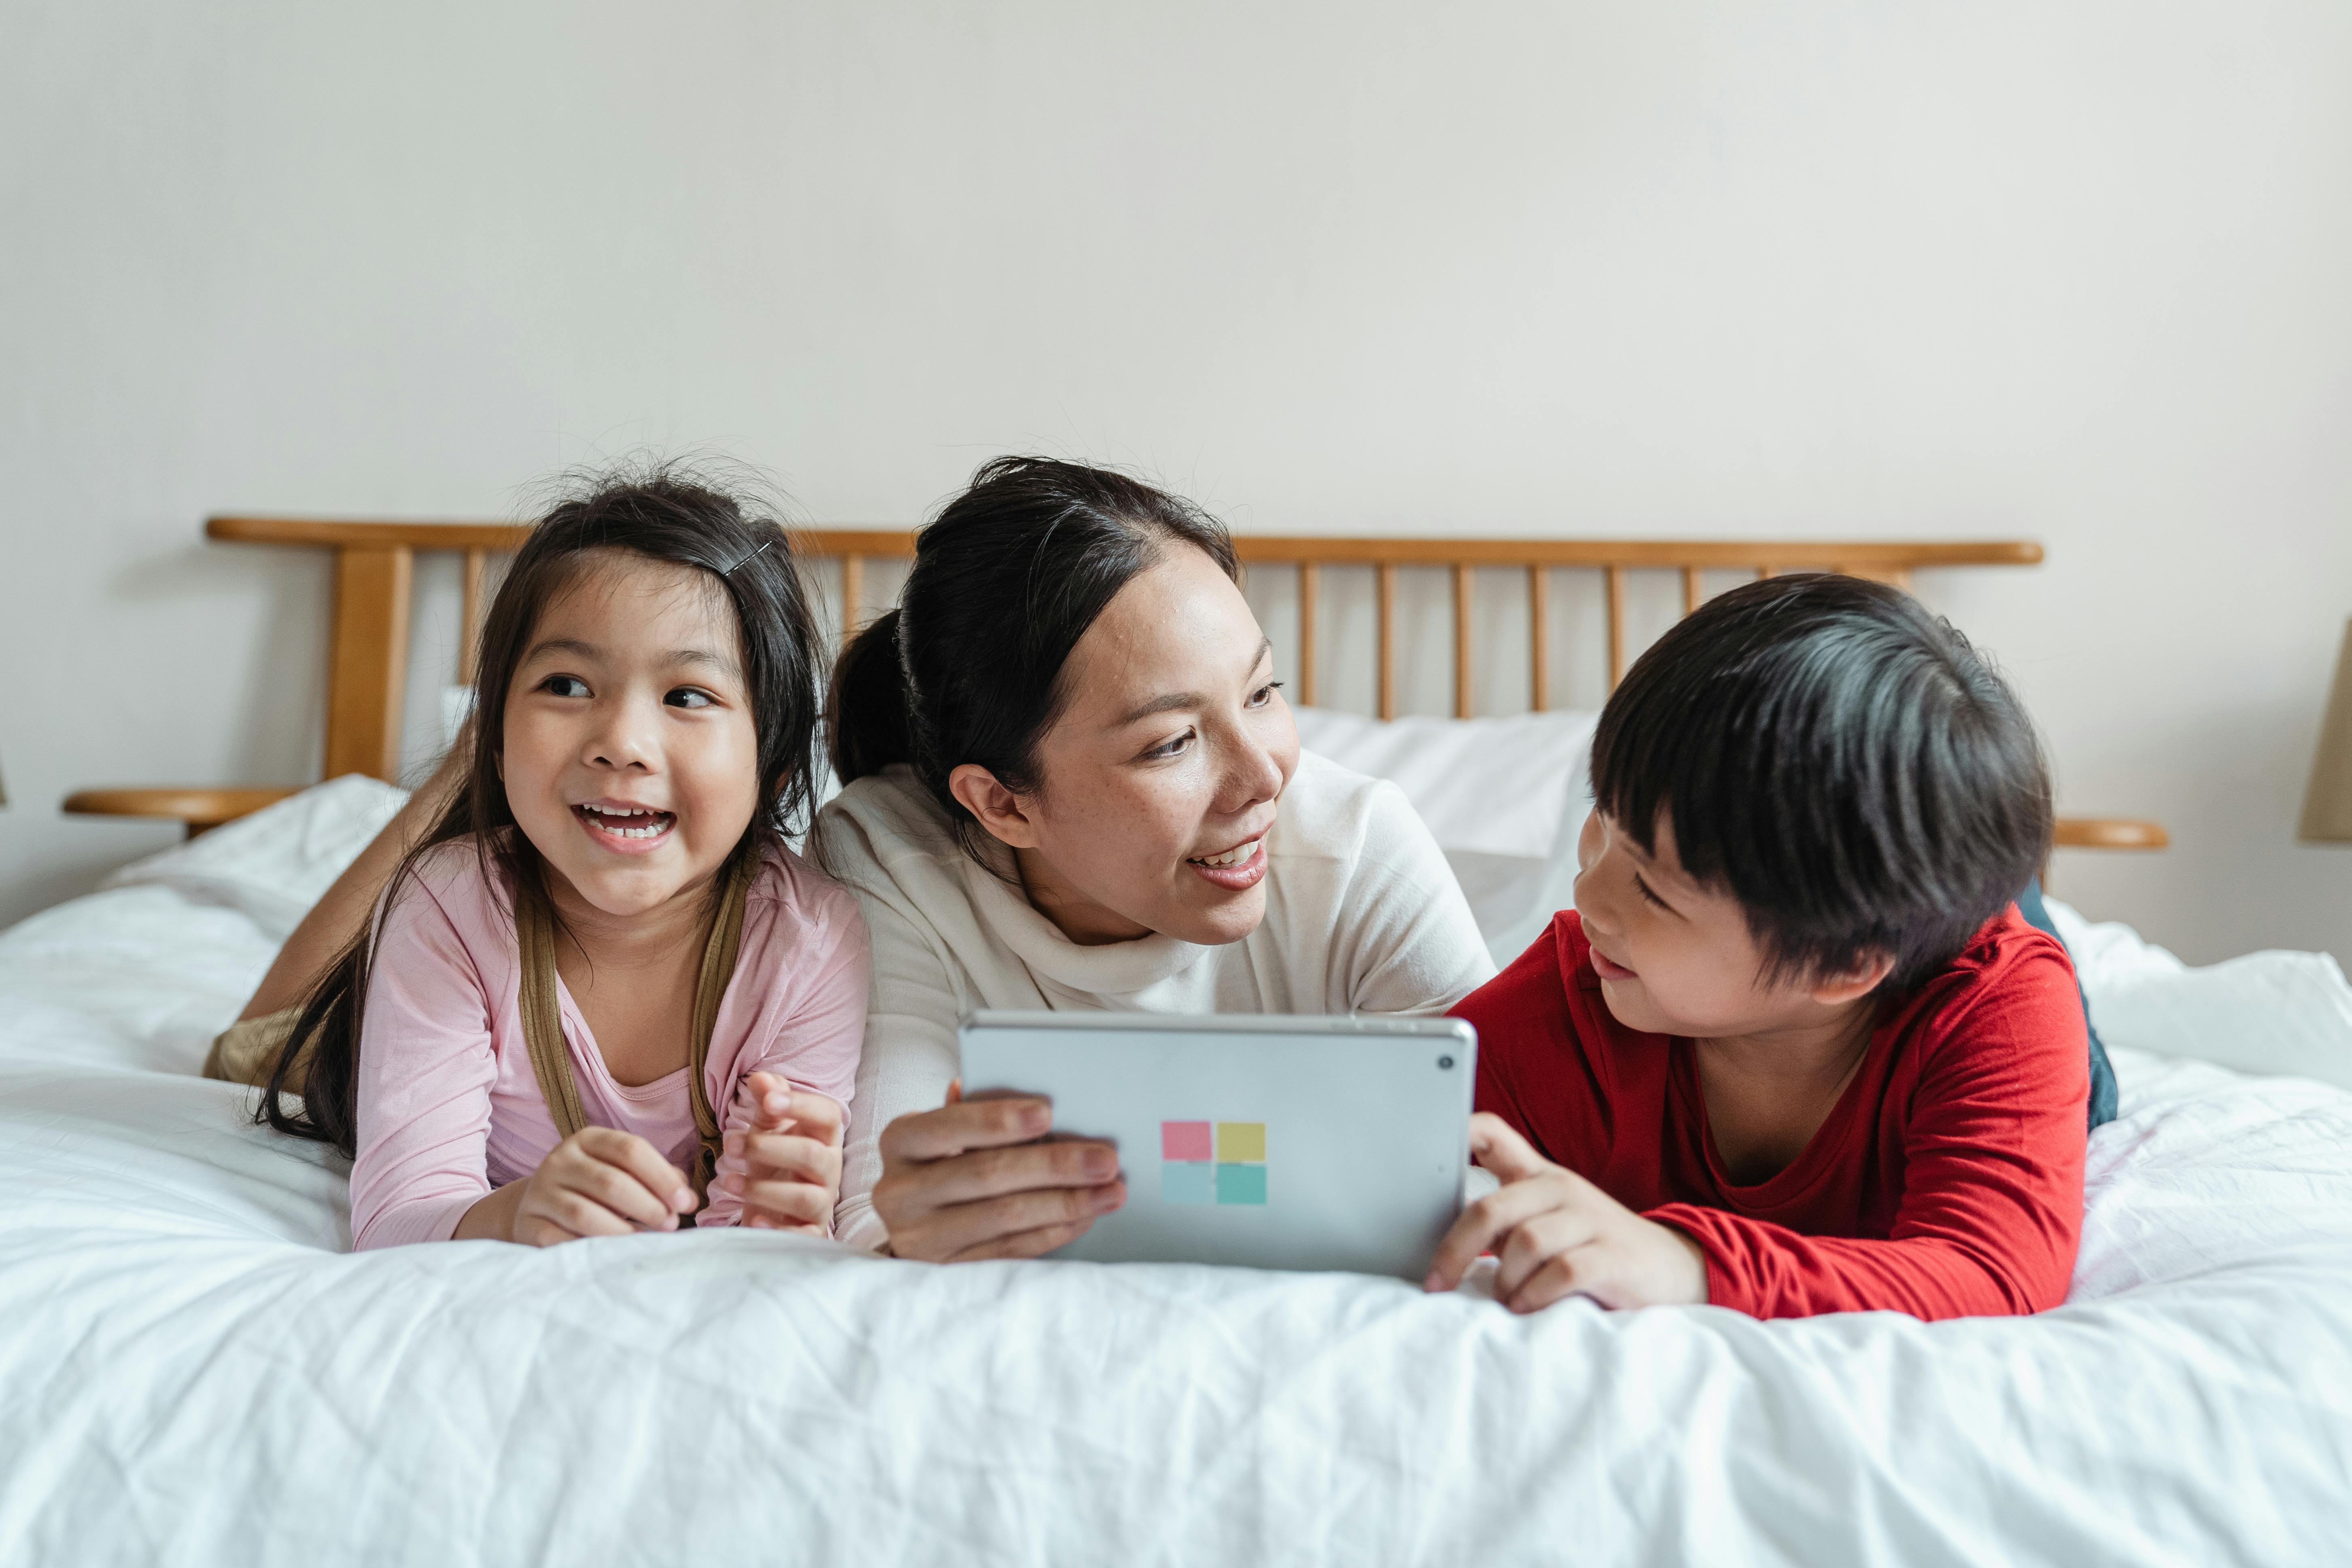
[731,571]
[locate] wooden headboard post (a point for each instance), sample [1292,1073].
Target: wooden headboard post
[375,572]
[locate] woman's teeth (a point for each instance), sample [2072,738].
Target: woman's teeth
[637,823]
[1236,856]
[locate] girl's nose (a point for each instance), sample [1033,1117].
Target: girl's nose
[621,738]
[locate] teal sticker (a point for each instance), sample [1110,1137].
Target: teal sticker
[1240,1184]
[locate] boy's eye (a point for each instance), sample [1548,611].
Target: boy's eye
[1264,694]
[1175,748]
[1649,897]
[564,686]
[688,697]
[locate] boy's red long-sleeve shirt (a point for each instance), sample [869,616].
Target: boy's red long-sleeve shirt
[1947,1182]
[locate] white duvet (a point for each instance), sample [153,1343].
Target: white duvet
[191,1370]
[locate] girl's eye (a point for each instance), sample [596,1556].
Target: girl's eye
[1175,748]
[1264,694]
[687,697]
[1649,897]
[564,686]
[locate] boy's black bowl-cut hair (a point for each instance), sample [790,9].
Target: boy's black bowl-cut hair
[1843,762]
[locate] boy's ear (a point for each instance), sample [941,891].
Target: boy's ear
[996,808]
[1864,976]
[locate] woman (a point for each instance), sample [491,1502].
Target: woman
[1071,782]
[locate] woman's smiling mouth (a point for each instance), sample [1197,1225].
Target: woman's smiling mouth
[632,829]
[1236,869]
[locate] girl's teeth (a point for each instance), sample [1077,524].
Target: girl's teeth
[1232,856]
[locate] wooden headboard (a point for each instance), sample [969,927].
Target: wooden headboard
[376,565]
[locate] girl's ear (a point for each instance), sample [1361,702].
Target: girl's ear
[996,808]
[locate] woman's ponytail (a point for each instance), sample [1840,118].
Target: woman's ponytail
[869,713]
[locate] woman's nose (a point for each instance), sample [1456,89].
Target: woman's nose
[1255,776]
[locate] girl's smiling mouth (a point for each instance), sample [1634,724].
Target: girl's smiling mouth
[617,825]
[1236,869]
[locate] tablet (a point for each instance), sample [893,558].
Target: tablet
[1261,1142]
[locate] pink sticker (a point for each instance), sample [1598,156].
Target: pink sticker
[1185,1140]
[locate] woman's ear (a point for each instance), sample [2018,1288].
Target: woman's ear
[996,808]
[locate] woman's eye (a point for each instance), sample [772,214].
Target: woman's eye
[1175,748]
[687,697]
[564,686]
[1265,694]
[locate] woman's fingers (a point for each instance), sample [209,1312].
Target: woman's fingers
[924,1135]
[951,1232]
[1024,1244]
[992,1172]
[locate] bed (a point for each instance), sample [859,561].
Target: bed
[196,1371]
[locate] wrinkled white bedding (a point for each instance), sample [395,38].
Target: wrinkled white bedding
[193,1372]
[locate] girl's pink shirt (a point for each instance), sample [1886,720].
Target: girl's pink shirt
[449,1106]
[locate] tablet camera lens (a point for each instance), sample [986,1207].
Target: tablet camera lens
[1444,1064]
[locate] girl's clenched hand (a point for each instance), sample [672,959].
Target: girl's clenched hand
[599,1182]
[791,1155]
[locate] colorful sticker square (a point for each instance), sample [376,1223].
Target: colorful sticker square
[1240,1142]
[1185,1141]
[1187,1182]
[1240,1184]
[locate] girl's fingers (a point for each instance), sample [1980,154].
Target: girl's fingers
[583,1216]
[814,1115]
[628,1153]
[621,1195]
[795,1202]
[787,1154]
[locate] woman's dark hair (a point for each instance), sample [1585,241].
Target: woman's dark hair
[666,513]
[1007,579]
[1840,760]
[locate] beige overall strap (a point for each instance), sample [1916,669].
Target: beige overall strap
[718,969]
[542,1017]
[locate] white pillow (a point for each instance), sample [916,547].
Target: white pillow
[1497,786]
[275,864]
[1504,798]
[2271,1012]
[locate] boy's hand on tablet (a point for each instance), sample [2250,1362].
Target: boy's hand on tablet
[792,1157]
[1554,1234]
[599,1182]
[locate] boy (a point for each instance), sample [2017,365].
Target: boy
[1794,1050]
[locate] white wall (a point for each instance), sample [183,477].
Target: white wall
[2072,273]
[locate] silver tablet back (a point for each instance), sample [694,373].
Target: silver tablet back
[1265,1142]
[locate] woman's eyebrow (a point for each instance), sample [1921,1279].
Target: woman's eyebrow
[1174,700]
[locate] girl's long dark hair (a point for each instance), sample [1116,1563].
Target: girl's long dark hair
[667,514]
[1007,579]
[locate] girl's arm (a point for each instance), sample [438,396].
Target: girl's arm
[342,912]
[781,1162]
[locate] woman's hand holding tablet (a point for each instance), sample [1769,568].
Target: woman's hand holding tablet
[971,1181]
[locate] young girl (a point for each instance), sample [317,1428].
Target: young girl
[600,995]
